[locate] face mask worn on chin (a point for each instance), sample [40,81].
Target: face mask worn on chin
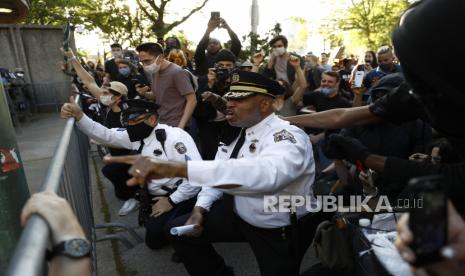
[327,91]
[279,51]
[152,68]
[117,54]
[124,71]
[139,132]
[106,100]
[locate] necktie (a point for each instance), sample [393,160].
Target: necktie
[139,150]
[238,145]
[229,199]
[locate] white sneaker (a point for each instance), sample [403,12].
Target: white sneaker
[129,206]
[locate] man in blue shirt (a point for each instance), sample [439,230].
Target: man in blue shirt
[386,66]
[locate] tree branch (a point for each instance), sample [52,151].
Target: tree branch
[144,9]
[154,6]
[176,23]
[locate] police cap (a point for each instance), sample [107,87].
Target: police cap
[131,109]
[245,84]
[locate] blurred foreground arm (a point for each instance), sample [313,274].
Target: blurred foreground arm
[63,226]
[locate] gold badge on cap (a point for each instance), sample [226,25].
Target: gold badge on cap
[235,78]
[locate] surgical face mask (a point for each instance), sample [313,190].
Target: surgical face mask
[117,54]
[124,71]
[152,68]
[327,91]
[279,51]
[139,132]
[106,100]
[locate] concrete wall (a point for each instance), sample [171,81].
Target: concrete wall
[36,50]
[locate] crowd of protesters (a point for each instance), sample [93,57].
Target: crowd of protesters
[312,126]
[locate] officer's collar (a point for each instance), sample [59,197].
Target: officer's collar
[258,128]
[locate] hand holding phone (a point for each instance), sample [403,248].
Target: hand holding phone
[358,79]
[428,219]
[453,253]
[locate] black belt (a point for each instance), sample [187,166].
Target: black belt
[282,229]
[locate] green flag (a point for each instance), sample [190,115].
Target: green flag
[66,34]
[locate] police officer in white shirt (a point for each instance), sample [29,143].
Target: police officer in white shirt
[273,158]
[173,196]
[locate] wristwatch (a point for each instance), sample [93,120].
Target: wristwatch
[74,248]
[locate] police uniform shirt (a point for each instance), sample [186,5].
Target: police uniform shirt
[179,146]
[276,159]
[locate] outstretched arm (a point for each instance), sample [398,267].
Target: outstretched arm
[336,118]
[86,78]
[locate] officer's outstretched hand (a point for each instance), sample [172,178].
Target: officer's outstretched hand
[71,109]
[145,168]
[341,147]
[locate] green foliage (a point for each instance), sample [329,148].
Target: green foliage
[255,42]
[298,42]
[118,24]
[111,17]
[56,12]
[372,20]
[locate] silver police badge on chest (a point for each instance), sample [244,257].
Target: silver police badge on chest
[180,148]
[253,146]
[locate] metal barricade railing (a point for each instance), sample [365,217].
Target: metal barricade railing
[67,175]
[49,95]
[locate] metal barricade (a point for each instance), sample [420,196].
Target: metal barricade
[67,175]
[49,96]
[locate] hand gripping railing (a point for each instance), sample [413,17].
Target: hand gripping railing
[67,175]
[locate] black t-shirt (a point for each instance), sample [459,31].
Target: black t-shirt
[113,121]
[321,102]
[345,78]
[112,69]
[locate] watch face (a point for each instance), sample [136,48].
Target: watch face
[77,248]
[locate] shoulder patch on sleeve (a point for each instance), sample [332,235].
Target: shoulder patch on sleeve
[121,129]
[284,135]
[180,147]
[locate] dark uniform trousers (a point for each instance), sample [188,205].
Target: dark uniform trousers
[273,248]
[156,227]
[118,175]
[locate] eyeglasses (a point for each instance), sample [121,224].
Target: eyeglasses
[125,122]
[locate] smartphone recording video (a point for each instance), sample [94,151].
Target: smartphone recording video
[358,80]
[215,15]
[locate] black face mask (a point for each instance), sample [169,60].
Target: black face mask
[386,67]
[139,132]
